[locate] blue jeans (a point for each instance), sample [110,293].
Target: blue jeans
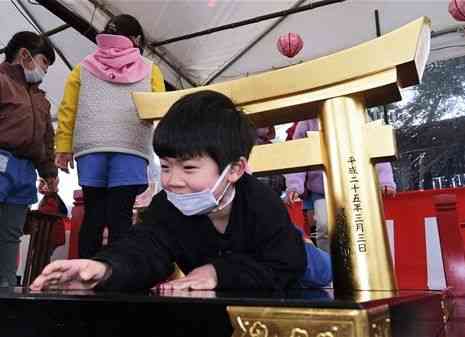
[319,272]
[111,169]
[17,191]
[17,180]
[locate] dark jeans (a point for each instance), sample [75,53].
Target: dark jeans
[106,207]
[12,219]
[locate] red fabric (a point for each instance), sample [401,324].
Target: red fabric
[52,204]
[77,215]
[409,238]
[297,215]
[290,131]
[58,234]
[409,210]
[452,244]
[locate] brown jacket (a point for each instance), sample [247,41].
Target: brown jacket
[25,123]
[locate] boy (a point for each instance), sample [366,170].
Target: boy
[222,227]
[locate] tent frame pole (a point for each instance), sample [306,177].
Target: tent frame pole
[257,19]
[251,45]
[42,31]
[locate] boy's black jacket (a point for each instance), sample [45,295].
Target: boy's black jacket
[261,248]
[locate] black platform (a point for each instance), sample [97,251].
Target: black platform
[196,313]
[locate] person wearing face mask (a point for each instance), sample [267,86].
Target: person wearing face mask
[98,127]
[221,226]
[277,182]
[309,187]
[26,140]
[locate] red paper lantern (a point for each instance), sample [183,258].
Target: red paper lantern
[457,9]
[290,44]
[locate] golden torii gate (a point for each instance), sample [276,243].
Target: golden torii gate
[337,89]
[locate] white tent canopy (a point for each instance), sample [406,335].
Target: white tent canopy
[325,30]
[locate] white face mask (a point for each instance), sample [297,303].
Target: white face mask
[36,75]
[200,202]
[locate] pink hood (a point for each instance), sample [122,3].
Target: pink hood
[116,60]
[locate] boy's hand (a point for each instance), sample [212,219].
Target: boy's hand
[71,274]
[63,160]
[201,278]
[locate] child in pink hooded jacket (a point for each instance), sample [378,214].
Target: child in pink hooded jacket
[310,186]
[98,126]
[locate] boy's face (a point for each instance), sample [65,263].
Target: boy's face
[30,62]
[190,176]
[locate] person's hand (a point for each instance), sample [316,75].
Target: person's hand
[48,185]
[52,184]
[64,161]
[201,278]
[388,191]
[292,197]
[43,186]
[145,198]
[71,274]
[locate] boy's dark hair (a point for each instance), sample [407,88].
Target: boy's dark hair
[204,123]
[35,43]
[125,25]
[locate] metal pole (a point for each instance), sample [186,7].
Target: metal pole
[48,33]
[57,30]
[250,46]
[57,50]
[287,12]
[456,29]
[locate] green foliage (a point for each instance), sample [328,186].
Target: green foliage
[439,96]
[430,126]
